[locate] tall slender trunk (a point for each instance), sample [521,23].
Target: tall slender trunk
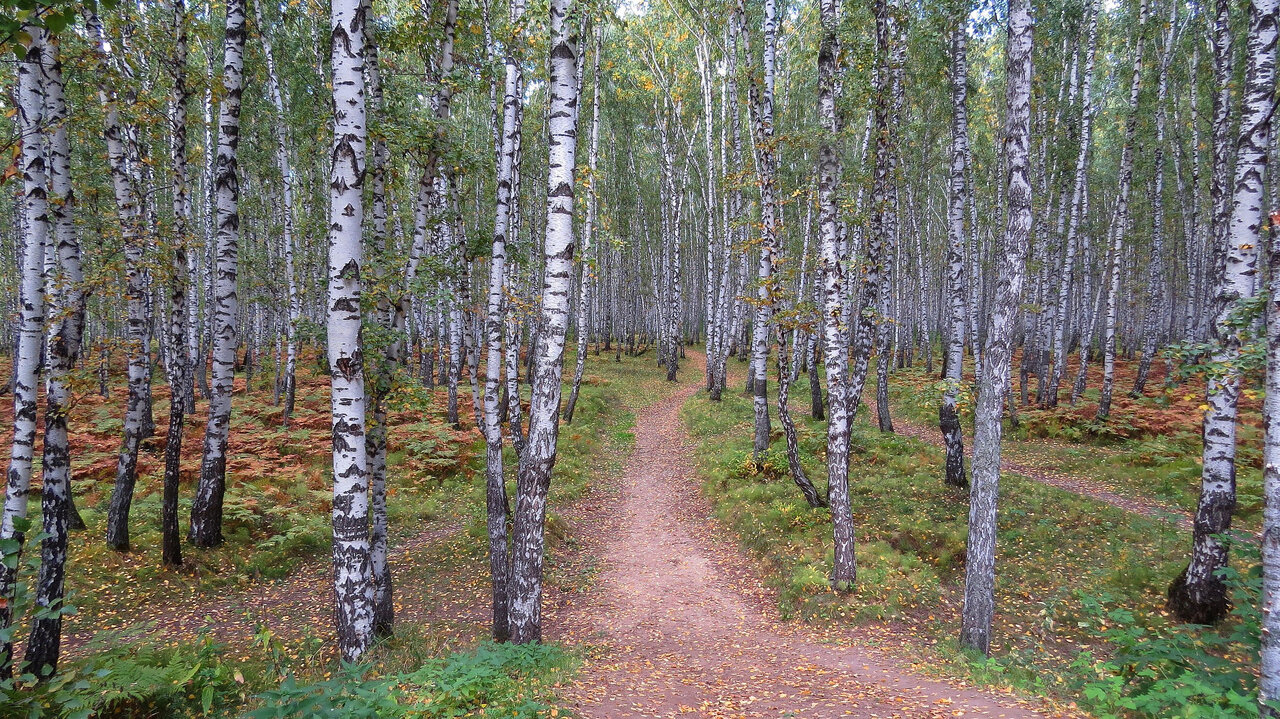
[352,571]
[534,476]
[1079,209]
[206,508]
[286,211]
[497,507]
[66,298]
[1199,594]
[948,419]
[179,362]
[980,557]
[1269,676]
[760,104]
[836,323]
[392,355]
[586,275]
[34,218]
[1153,323]
[130,214]
[1120,222]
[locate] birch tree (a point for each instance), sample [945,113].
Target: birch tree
[760,104]
[1199,594]
[835,322]
[352,570]
[533,480]
[948,419]
[980,555]
[496,503]
[1079,209]
[289,390]
[179,362]
[66,302]
[206,508]
[585,274]
[34,207]
[1120,222]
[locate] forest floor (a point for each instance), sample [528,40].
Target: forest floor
[1069,482]
[679,623]
[683,579]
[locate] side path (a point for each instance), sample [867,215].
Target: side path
[1067,483]
[677,632]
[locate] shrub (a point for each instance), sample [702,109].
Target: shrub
[1170,670]
[506,680]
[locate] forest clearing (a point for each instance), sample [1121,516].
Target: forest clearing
[654,358]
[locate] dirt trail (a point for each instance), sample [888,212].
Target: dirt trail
[1066,482]
[681,633]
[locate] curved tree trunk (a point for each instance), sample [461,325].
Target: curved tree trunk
[206,508]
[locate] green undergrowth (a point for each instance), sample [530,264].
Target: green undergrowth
[1066,563]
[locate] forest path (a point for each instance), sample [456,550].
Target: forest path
[681,627]
[1066,482]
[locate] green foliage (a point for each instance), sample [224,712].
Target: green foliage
[123,676]
[495,680]
[1168,670]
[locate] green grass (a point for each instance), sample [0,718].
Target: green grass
[1056,550]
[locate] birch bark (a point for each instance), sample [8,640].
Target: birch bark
[534,475]
[948,419]
[1121,223]
[980,568]
[1199,594]
[352,571]
[496,501]
[206,508]
[66,299]
[30,325]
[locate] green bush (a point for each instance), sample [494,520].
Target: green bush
[1170,670]
[495,680]
[123,676]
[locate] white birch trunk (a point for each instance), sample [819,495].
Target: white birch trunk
[352,571]
[286,239]
[534,476]
[1199,594]
[496,305]
[586,274]
[1120,223]
[66,300]
[206,508]
[980,568]
[948,419]
[30,325]
[1079,208]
